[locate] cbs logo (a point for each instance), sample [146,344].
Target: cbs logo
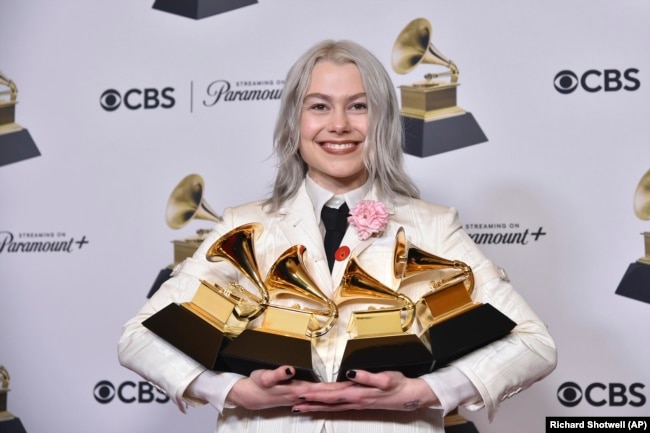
[608,80]
[128,392]
[570,394]
[136,99]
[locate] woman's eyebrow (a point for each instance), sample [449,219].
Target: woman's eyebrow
[326,97]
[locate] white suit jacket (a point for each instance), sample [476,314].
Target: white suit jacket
[498,370]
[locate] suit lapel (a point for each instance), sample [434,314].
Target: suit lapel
[298,223]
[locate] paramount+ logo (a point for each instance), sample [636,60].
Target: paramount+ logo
[594,80]
[128,392]
[597,394]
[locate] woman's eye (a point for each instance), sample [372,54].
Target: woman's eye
[318,107]
[359,106]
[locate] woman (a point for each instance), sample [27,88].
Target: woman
[338,140]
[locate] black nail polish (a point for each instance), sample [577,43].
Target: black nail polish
[352,374]
[295,411]
[302,398]
[288,371]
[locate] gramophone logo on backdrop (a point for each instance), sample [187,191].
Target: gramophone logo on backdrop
[16,143]
[636,281]
[433,123]
[198,9]
[185,204]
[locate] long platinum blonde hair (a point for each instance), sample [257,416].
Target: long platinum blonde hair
[383,155]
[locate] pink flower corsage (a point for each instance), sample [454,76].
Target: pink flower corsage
[369,217]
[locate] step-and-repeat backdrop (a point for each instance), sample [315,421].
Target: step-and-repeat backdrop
[107,105]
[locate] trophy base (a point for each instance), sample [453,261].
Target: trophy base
[190,334]
[199,8]
[404,353]
[636,282]
[467,332]
[16,146]
[13,425]
[163,276]
[426,138]
[257,350]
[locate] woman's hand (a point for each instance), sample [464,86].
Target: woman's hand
[264,389]
[389,390]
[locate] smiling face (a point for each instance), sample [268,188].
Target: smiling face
[333,127]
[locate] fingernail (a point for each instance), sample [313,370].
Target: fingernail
[288,371]
[352,374]
[302,398]
[295,411]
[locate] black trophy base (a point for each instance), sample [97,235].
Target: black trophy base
[16,146]
[12,425]
[190,334]
[467,332]
[200,8]
[404,353]
[440,135]
[636,282]
[256,350]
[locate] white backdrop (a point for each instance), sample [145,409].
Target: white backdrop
[567,164]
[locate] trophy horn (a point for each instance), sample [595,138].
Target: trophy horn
[357,284]
[237,247]
[413,46]
[288,276]
[186,203]
[642,197]
[410,261]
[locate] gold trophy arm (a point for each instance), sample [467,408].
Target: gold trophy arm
[13,90]
[410,260]
[409,308]
[4,375]
[288,277]
[237,247]
[247,305]
[357,284]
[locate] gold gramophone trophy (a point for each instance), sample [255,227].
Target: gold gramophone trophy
[16,143]
[453,323]
[200,8]
[636,281]
[379,337]
[185,203]
[8,422]
[216,315]
[433,123]
[286,334]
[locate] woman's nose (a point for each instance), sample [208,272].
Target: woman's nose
[339,122]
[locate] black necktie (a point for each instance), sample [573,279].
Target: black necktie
[335,222]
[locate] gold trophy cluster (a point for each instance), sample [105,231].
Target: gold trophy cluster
[216,326]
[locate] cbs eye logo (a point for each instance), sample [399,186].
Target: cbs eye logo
[135,99]
[592,81]
[570,394]
[128,392]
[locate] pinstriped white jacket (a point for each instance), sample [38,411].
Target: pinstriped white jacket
[497,371]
